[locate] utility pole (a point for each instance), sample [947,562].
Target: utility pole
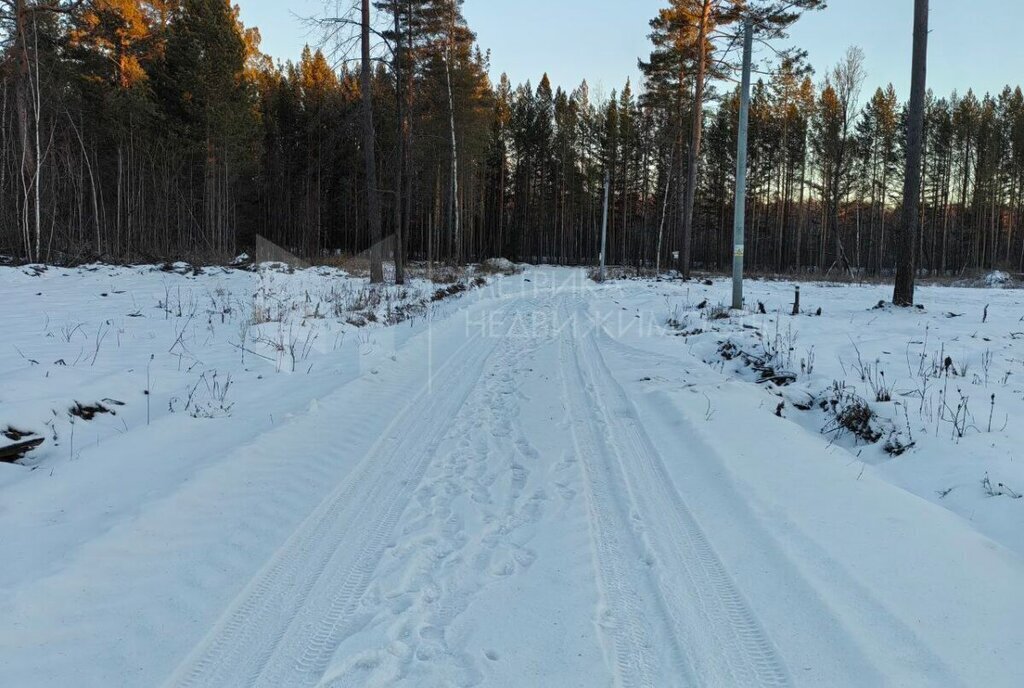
[739,228]
[604,224]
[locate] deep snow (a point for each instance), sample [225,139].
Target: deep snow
[542,482]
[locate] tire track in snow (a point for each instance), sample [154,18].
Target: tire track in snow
[829,633]
[709,622]
[730,647]
[622,621]
[333,548]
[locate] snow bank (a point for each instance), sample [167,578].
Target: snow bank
[997,279]
[501,266]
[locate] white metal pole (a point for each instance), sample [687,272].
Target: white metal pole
[739,229]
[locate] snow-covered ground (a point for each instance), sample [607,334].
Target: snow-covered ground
[539,482]
[931,397]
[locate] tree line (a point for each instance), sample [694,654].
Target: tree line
[150,129]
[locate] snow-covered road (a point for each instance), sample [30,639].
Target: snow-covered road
[534,491]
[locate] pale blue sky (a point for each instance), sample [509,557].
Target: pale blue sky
[976,43]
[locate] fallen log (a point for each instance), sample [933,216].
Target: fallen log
[18,450]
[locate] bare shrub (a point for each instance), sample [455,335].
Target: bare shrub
[849,413]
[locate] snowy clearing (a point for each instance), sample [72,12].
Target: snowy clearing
[250,479]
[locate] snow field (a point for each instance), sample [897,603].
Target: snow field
[542,482]
[942,385]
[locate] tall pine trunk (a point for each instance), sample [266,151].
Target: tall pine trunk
[23,95]
[403,145]
[696,132]
[906,257]
[455,227]
[370,153]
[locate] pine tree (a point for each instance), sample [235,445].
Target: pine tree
[907,252]
[370,148]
